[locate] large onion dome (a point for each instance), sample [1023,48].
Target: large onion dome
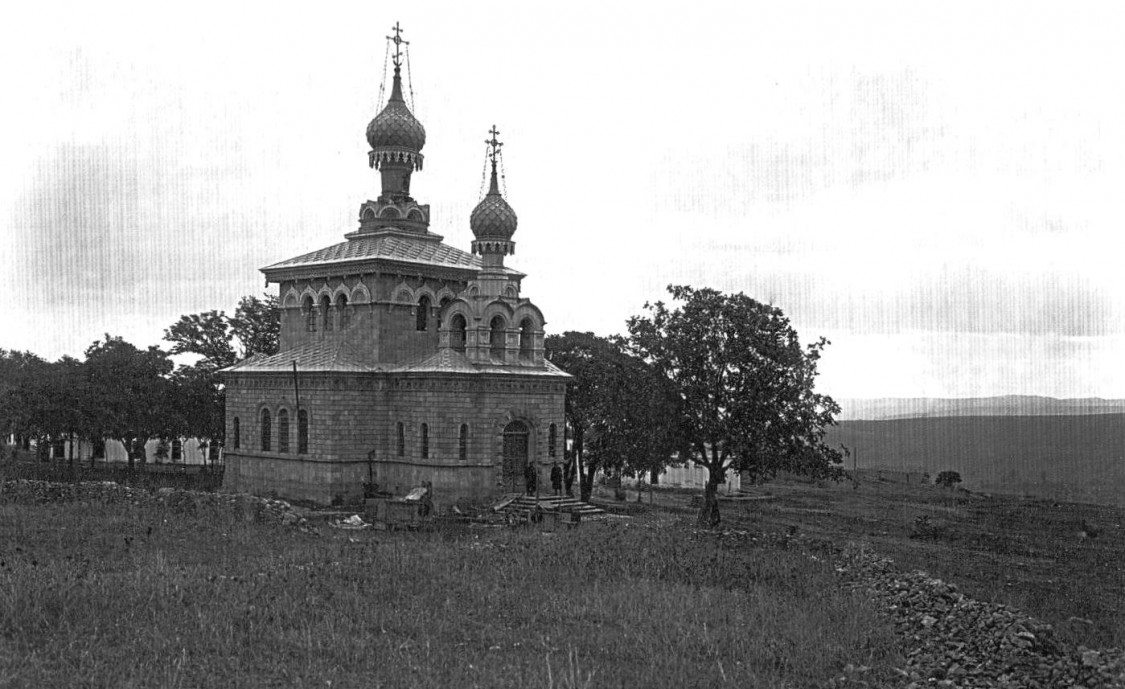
[395,127]
[493,218]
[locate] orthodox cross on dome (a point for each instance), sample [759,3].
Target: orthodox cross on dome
[495,145]
[397,40]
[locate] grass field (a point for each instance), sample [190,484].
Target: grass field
[94,595]
[1075,457]
[1022,552]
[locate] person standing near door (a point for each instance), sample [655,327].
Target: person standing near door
[556,479]
[531,478]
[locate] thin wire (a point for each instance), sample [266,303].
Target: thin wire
[503,177]
[383,80]
[483,172]
[410,81]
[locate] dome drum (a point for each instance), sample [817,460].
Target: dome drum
[394,155]
[494,246]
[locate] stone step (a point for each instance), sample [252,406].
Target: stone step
[524,503]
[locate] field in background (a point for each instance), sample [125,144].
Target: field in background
[98,595]
[1076,457]
[1022,552]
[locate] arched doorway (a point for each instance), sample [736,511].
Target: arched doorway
[515,456]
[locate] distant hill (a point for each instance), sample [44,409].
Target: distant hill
[1077,457]
[1007,405]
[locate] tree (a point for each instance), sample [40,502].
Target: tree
[620,411]
[200,403]
[131,395]
[947,479]
[205,334]
[257,325]
[200,399]
[211,335]
[19,374]
[745,385]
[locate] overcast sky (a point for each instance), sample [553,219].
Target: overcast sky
[939,188]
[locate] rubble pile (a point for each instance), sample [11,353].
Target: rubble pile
[175,499]
[951,640]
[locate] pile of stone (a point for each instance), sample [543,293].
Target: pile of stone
[174,499]
[951,640]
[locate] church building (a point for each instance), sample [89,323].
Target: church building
[403,360]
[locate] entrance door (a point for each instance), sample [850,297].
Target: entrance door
[515,456]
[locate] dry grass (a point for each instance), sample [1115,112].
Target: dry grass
[95,595]
[1021,552]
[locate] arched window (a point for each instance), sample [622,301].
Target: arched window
[422,315]
[310,315]
[236,432]
[326,312]
[303,432]
[283,430]
[496,337]
[266,430]
[457,333]
[463,443]
[552,440]
[401,439]
[177,450]
[425,441]
[526,339]
[368,213]
[342,311]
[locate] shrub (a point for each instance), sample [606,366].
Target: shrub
[948,479]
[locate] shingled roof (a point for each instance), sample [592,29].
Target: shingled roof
[423,250]
[341,357]
[316,356]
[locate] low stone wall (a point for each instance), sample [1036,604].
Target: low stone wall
[107,492]
[952,640]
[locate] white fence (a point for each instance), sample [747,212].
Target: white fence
[692,475]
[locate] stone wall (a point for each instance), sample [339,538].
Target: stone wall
[354,417]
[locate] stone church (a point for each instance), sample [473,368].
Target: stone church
[403,360]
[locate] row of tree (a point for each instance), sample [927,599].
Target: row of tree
[132,395]
[717,378]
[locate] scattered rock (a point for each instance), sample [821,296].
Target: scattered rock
[952,640]
[174,499]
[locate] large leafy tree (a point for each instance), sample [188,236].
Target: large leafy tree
[199,405]
[620,411]
[131,394]
[257,325]
[213,335]
[746,385]
[19,373]
[207,335]
[219,341]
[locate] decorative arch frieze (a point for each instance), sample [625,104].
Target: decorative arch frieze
[342,289]
[360,295]
[497,307]
[528,310]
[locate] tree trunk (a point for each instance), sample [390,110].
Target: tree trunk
[709,513]
[586,485]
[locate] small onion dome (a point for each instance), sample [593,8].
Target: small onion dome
[493,218]
[396,127]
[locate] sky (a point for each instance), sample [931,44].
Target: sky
[937,188]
